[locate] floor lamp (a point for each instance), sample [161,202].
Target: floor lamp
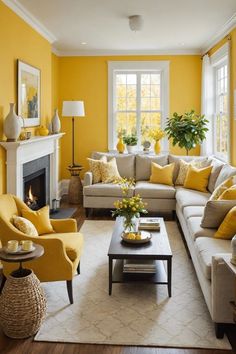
[74,109]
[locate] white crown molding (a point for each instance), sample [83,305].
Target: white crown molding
[21,11]
[225,29]
[83,53]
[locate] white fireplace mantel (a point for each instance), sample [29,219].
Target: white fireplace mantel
[22,151]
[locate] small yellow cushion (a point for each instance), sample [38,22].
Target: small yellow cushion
[183,169]
[24,225]
[229,194]
[94,166]
[162,174]
[109,171]
[197,179]
[40,219]
[227,228]
[221,188]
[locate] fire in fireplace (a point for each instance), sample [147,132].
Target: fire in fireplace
[31,200]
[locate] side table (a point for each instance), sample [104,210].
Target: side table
[232,268]
[75,193]
[22,302]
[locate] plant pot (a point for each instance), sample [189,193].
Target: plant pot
[131,149]
[157,147]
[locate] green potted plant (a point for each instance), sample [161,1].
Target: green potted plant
[130,141]
[187,130]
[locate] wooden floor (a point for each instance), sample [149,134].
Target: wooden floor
[28,346]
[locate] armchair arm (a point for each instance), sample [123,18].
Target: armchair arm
[88,179]
[64,225]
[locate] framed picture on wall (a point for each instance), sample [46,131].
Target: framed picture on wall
[29,94]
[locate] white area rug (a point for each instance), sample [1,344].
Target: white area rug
[135,314]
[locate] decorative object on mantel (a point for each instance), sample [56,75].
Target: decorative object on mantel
[56,123]
[146,146]
[43,131]
[12,125]
[29,94]
[233,246]
[120,145]
[75,192]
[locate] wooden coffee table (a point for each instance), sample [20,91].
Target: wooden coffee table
[157,249]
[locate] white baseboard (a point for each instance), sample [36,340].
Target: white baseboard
[63,187]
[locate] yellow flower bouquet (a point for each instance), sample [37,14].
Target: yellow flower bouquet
[156,134]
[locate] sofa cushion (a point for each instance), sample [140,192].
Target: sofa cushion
[73,243]
[143,165]
[215,212]
[206,248]
[153,190]
[216,168]
[189,197]
[176,159]
[226,172]
[106,190]
[125,163]
[162,174]
[190,211]
[197,178]
[196,230]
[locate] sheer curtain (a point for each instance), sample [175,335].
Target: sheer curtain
[207,103]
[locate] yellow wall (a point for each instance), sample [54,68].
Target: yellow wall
[85,78]
[19,41]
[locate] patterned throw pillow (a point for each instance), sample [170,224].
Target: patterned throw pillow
[94,166]
[24,225]
[222,188]
[183,169]
[109,171]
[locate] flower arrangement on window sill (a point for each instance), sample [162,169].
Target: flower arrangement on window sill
[156,135]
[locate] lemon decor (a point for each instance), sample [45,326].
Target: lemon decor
[227,228]
[197,178]
[156,135]
[162,174]
[229,194]
[129,208]
[40,219]
[43,131]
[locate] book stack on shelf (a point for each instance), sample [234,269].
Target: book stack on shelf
[149,224]
[139,266]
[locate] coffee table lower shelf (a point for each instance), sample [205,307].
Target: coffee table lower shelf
[160,277]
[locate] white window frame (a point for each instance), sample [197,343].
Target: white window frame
[219,58]
[115,67]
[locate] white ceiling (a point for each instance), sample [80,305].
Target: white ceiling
[168,25]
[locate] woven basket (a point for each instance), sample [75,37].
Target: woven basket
[22,305]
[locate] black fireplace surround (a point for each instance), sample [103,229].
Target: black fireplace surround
[36,179]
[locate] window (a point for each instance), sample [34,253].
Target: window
[221,121]
[138,99]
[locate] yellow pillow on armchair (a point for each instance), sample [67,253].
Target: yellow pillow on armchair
[162,174]
[197,178]
[40,219]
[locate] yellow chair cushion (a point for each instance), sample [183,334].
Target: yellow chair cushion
[109,171]
[162,174]
[197,179]
[40,219]
[229,194]
[222,188]
[73,243]
[94,166]
[227,228]
[24,225]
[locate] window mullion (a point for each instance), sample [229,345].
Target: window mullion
[138,109]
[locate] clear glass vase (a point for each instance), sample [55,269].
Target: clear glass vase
[130,224]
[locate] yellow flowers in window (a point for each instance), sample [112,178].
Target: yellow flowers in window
[156,134]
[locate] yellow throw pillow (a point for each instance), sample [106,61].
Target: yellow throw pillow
[109,171]
[183,169]
[197,179]
[229,194]
[227,228]
[24,226]
[222,188]
[162,174]
[40,219]
[94,166]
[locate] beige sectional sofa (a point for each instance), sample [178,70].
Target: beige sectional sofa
[216,282]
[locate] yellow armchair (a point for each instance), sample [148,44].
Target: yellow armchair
[62,249]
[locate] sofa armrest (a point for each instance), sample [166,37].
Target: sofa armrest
[223,291]
[88,179]
[64,225]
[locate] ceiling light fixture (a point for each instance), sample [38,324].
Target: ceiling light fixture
[83,43]
[135,23]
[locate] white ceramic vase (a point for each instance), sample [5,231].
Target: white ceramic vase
[131,149]
[56,123]
[233,246]
[12,125]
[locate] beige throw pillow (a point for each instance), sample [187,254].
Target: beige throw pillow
[94,167]
[24,225]
[215,212]
[109,171]
[183,169]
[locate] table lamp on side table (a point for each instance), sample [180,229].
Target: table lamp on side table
[74,109]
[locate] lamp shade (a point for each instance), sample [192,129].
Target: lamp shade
[73,109]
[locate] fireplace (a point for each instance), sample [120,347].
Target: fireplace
[36,182]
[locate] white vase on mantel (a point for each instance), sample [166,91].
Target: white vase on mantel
[56,123]
[12,125]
